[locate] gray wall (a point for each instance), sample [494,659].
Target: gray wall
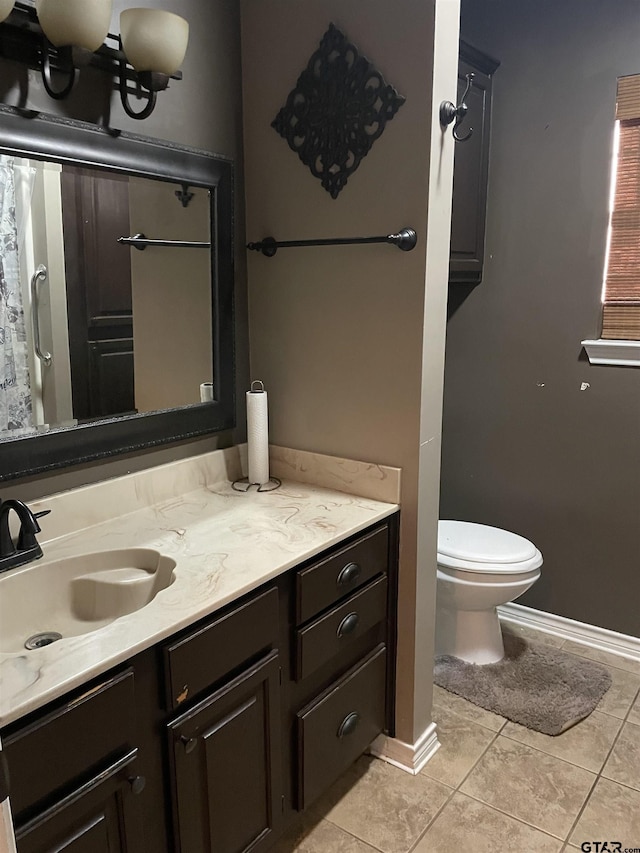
[524,447]
[204,110]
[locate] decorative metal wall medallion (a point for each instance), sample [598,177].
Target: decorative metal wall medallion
[339,107]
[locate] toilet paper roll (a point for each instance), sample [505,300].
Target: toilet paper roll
[206,392]
[257,435]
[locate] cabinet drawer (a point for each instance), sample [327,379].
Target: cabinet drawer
[204,656]
[334,632]
[338,726]
[322,584]
[70,744]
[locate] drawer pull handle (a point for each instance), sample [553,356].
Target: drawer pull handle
[190,743]
[349,574]
[137,784]
[349,724]
[348,624]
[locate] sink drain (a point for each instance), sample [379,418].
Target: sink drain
[43,639]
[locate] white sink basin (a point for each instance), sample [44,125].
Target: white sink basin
[74,596]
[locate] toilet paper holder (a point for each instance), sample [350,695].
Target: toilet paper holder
[257,443]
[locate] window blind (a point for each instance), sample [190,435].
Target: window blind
[621,309]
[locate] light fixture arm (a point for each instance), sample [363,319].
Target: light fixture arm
[149,107]
[145,112]
[47,79]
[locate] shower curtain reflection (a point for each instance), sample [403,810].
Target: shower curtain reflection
[15,385]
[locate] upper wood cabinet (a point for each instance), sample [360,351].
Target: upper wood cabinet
[471,168]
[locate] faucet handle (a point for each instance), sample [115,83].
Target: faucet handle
[27,536]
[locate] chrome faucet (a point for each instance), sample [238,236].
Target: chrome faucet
[26,549]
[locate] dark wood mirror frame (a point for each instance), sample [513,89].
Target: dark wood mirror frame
[65,141]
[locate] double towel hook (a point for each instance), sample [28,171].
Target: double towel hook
[449,112]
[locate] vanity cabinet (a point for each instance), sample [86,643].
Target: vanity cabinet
[344,634]
[224,750]
[98,818]
[471,168]
[212,740]
[337,726]
[74,774]
[226,771]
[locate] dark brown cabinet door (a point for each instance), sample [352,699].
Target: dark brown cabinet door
[471,169]
[226,785]
[101,817]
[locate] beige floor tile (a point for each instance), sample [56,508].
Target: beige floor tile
[385,806]
[602,657]
[634,715]
[461,745]
[624,762]
[466,824]
[619,697]
[612,813]
[451,702]
[537,788]
[321,838]
[531,634]
[586,744]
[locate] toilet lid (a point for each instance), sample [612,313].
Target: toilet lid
[479,543]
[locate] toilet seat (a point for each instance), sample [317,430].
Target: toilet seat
[478,548]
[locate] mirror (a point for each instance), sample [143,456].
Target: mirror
[102,331]
[116,300]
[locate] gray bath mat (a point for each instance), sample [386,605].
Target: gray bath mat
[536,685]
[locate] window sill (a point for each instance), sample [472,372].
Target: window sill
[620,353]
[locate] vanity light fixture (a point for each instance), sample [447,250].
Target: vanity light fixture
[77,29]
[63,35]
[155,43]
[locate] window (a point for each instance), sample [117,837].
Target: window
[621,308]
[621,290]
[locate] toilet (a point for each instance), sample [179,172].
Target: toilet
[479,567]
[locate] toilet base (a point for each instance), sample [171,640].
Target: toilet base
[471,635]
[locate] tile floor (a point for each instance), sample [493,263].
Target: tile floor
[494,785]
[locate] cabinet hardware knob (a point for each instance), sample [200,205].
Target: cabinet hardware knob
[350,573]
[190,743]
[137,784]
[349,724]
[348,624]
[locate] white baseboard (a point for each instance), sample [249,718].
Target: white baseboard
[588,635]
[408,757]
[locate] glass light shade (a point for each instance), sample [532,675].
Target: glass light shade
[154,40]
[76,23]
[5,9]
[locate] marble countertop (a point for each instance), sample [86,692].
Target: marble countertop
[225,543]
